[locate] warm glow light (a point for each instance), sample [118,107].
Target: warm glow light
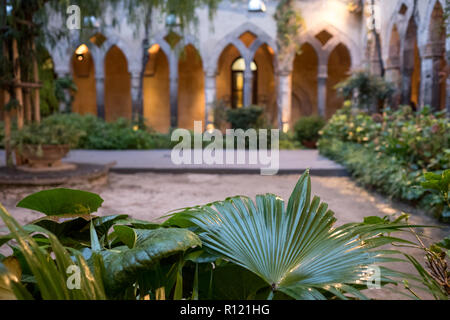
[256,6]
[136,128]
[210,128]
[285,127]
[154,49]
[82,49]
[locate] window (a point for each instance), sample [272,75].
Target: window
[237,83]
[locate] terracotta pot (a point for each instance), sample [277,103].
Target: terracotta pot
[44,157]
[310,144]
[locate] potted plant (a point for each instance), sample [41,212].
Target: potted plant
[307,130]
[43,145]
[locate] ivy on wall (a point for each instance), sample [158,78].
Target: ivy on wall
[289,24]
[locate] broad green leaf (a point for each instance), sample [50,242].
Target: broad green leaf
[123,265]
[126,235]
[62,201]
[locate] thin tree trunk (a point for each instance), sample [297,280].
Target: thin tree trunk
[7,122]
[36,93]
[27,105]
[17,88]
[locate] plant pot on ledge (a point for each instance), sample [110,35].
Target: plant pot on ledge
[309,144]
[44,156]
[40,147]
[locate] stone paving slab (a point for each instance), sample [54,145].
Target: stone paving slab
[132,161]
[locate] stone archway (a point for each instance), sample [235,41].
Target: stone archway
[156,90]
[304,83]
[83,72]
[411,67]
[339,66]
[223,78]
[191,88]
[117,85]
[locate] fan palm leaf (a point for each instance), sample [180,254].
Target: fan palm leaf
[293,248]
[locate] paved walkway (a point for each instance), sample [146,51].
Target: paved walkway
[130,161]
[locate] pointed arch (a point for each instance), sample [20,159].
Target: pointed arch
[339,66]
[156,89]
[191,88]
[304,83]
[411,66]
[83,73]
[117,85]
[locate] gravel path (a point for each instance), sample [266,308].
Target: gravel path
[149,196]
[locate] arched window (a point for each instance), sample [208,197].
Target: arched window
[237,82]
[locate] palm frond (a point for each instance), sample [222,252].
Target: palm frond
[293,248]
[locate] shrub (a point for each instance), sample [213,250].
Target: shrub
[246,118]
[368,92]
[307,129]
[47,132]
[390,152]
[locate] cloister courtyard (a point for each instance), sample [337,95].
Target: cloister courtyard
[216,150]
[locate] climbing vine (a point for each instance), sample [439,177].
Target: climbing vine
[289,24]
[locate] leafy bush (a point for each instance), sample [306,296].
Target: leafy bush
[47,132]
[246,118]
[224,250]
[367,92]
[391,152]
[101,135]
[307,129]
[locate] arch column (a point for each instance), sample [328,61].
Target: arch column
[322,80]
[137,108]
[63,108]
[210,96]
[100,94]
[173,89]
[431,67]
[248,84]
[393,72]
[284,99]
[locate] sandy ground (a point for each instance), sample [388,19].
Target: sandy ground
[149,196]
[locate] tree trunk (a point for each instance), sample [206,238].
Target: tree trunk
[36,93]
[17,89]
[27,105]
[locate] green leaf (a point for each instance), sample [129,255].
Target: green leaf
[126,235]
[62,201]
[232,282]
[123,265]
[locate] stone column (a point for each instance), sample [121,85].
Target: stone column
[322,79]
[100,89]
[394,75]
[430,90]
[173,90]
[210,97]
[284,99]
[137,108]
[63,108]
[248,86]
